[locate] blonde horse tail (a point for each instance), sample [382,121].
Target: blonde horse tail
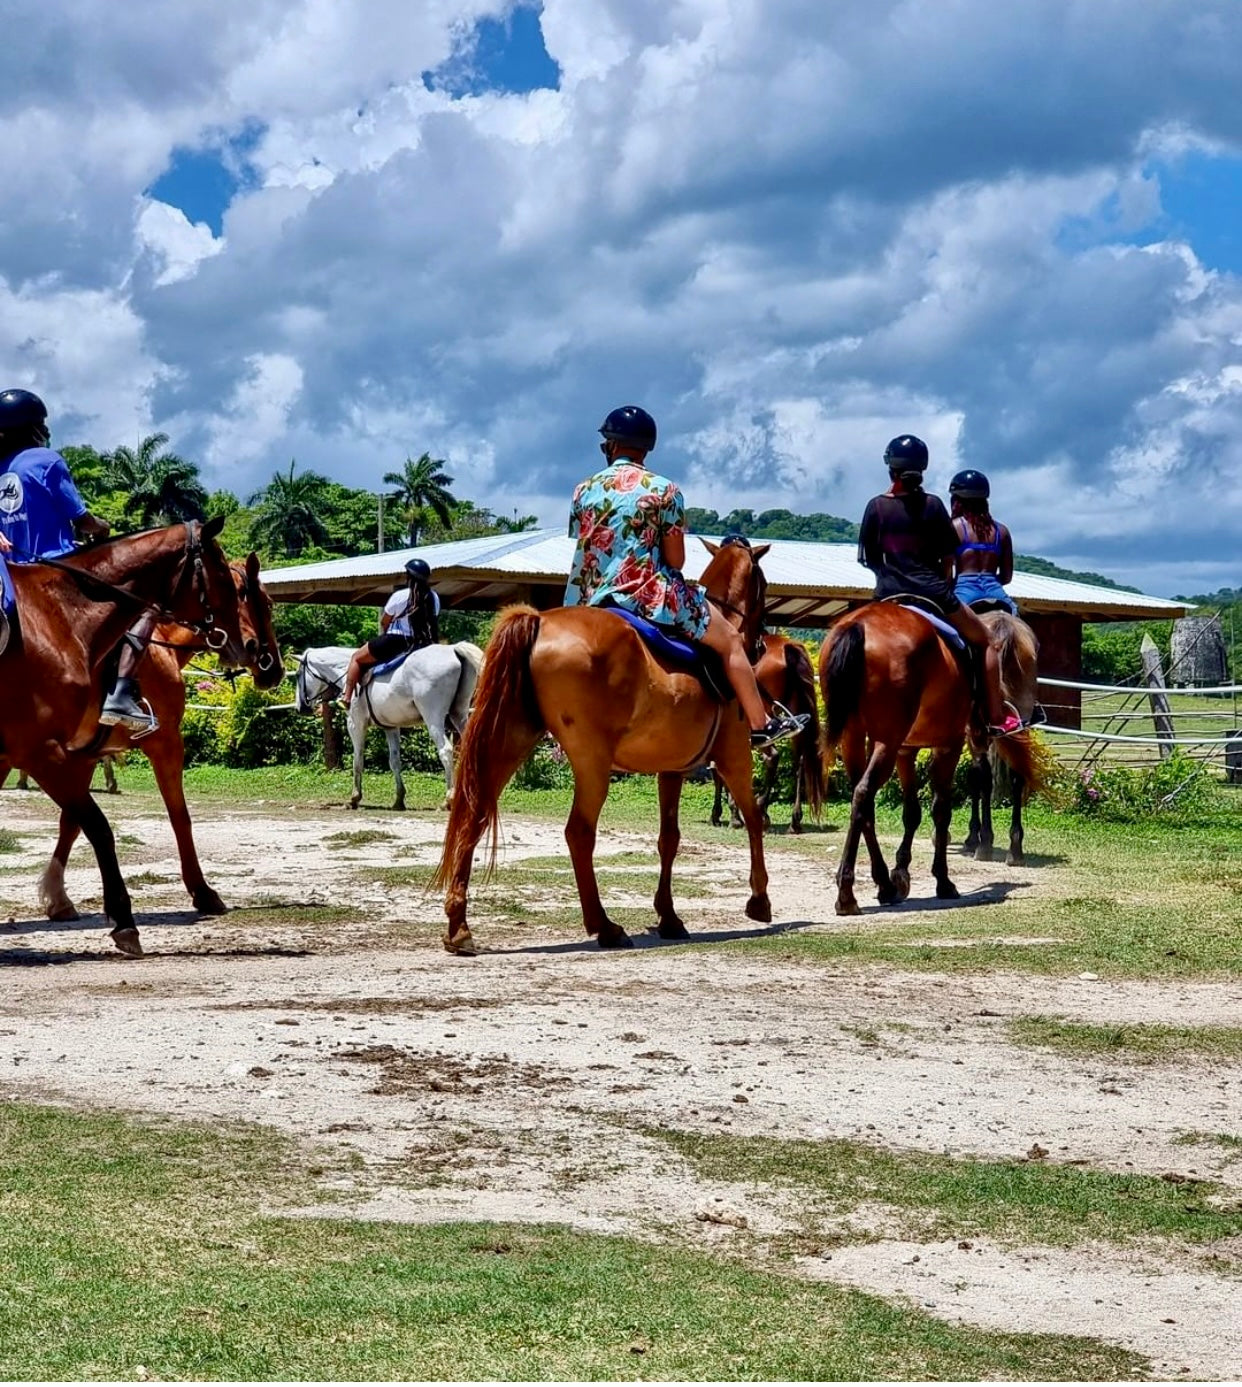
[800,673]
[503,726]
[1017,651]
[470,658]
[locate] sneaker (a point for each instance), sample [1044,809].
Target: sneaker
[778,726]
[122,706]
[1012,723]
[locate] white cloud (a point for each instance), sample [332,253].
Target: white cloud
[790,229]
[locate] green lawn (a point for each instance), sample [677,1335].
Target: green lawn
[145,1250]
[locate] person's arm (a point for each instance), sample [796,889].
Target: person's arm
[869,538]
[950,560]
[89,527]
[673,529]
[673,549]
[1005,569]
[433,621]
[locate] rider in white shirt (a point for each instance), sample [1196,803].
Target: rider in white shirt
[409,621]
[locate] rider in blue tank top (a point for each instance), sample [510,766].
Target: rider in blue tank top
[983,561]
[42,516]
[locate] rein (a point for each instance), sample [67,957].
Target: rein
[213,636]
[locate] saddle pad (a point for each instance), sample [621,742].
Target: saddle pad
[695,659]
[377,670]
[950,633]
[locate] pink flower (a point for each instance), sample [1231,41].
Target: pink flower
[204,686]
[602,537]
[627,478]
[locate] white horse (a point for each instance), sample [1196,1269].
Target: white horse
[433,686]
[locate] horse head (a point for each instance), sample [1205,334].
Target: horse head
[736,585]
[263,658]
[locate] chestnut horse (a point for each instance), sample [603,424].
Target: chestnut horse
[71,614]
[785,673]
[891,686]
[160,673]
[587,677]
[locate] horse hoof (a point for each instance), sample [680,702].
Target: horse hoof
[983,854]
[672,929]
[399,807]
[946,891]
[901,884]
[127,941]
[888,895]
[615,938]
[460,943]
[759,908]
[848,908]
[206,902]
[63,913]
[1015,859]
[353,804]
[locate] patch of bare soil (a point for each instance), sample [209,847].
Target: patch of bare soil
[527,1084]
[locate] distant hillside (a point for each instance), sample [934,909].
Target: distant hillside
[832,529]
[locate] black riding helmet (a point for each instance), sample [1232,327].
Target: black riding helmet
[970,486]
[418,571]
[632,425]
[23,415]
[906,454]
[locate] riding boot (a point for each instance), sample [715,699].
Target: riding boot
[122,706]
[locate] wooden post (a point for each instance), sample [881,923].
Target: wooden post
[1162,714]
[331,742]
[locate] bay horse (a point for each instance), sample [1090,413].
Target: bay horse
[432,686]
[785,673]
[160,674]
[892,686]
[71,614]
[585,675]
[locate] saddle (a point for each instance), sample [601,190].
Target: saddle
[927,609]
[693,658]
[376,670]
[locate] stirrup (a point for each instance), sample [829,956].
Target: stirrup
[995,731]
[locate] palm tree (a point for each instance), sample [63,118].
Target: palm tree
[422,491]
[288,518]
[160,488]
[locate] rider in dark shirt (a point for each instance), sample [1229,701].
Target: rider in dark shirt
[909,543]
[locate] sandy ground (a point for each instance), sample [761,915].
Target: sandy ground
[525,1084]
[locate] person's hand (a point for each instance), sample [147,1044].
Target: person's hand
[6,546]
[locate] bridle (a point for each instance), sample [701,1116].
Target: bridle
[266,659]
[756,650]
[332,687]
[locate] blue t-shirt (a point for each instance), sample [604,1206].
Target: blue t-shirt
[38,504]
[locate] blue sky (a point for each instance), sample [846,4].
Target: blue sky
[346,233]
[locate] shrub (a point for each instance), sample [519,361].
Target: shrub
[1176,788]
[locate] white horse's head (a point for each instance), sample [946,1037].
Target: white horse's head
[319,679]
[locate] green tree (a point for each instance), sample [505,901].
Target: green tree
[422,492]
[289,514]
[160,488]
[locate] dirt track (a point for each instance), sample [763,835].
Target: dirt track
[519,1085]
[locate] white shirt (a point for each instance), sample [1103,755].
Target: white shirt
[397,607]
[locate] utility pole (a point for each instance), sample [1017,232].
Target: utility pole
[379,501]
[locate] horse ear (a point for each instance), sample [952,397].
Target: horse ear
[758,551]
[709,546]
[252,566]
[212,527]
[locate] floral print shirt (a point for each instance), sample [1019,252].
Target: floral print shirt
[619,519]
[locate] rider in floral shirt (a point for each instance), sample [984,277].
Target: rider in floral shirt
[630,527]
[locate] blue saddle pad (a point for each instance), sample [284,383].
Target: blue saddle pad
[377,670]
[950,633]
[657,637]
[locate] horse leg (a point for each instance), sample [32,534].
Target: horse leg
[52,894]
[1015,856]
[911,817]
[81,809]
[109,771]
[167,757]
[669,924]
[973,780]
[444,750]
[717,802]
[394,764]
[862,823]
[795,816]
[771,759]
[944,763]
[983,850]
[590,792]
[357,735]
[737,767]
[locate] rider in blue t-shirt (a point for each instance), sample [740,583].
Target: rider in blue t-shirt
[42,516]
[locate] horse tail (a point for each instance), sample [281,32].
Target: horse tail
[800,679]
[844,676]
[505,719]
[1017,650]
[470,657]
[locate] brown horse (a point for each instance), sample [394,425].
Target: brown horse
[160,673]
[785,673]
[891,686]
[587,677]
[72,613]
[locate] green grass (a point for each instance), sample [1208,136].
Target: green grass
[10,841]
[1140,1041]
[359,838]
[1226,1140]
[128,1245]
[940,1196]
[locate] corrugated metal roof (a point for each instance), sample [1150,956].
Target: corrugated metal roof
[808,583]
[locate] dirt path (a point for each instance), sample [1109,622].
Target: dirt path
[526,1084]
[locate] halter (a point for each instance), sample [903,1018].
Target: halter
[266,659]
[332,688]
